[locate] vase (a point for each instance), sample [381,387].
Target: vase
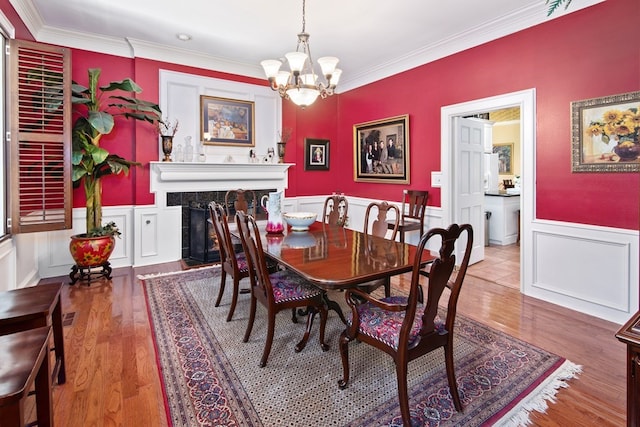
[281,146]
[91,251]
[167,147]
[628,151]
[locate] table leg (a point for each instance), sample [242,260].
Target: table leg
[58,342]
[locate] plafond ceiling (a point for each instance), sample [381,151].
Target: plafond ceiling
[372,38]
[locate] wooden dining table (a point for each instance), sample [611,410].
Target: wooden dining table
[333,257]
[336,258]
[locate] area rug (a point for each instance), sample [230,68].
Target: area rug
[212,378]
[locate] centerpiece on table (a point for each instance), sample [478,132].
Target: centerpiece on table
[619,129]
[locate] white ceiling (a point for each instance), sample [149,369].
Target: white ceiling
[372,38]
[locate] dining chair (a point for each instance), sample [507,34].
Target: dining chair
[278,291]
[414,205]
[403,327]
[336,209]
[232,260]
[379,227]
[241,200]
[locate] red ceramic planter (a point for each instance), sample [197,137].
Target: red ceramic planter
[91,251]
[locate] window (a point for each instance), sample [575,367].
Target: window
[40,144]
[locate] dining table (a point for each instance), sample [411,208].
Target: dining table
[337,258]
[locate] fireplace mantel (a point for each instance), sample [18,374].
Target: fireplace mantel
[170,177]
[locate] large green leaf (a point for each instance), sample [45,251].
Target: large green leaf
[101,121]
[126,85]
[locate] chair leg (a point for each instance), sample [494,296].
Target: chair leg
[344,355]
[223,279]
[310,316]
[403,394]
[451,375]
[387,287]
[252,317]
[234,298]
[267,345]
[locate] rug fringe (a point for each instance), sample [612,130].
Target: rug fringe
[539,398]
[148,276]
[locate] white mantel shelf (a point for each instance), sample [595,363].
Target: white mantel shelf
[168,177]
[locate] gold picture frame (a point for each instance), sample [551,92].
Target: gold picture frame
[594,145]
[505,158]
[391,167]
[226,121]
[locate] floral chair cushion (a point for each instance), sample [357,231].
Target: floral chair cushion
[384,325]
[288,286]
[241,259]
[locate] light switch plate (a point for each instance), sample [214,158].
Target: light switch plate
[436,179]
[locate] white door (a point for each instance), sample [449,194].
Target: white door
[468,182]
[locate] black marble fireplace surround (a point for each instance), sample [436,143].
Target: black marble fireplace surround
[194,222]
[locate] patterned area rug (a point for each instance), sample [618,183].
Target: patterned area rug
[212,378]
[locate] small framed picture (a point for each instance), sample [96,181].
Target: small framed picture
[505,158]
[316,154]
[226,121]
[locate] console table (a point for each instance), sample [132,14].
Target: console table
[630,335]
[33,307]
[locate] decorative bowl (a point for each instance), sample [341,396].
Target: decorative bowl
[300,221]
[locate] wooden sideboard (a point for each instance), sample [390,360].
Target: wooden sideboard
[630,335]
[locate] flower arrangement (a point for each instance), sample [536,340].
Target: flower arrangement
[166,128]
[619,126]
[284,135]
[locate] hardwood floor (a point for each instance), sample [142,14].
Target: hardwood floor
[501,265]
[112,378]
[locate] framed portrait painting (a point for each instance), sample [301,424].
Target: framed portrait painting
[505,158]
[316,154]
[226,121]
[381,150]
[605,134]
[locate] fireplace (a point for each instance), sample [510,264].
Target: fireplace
[188,185]
[198,236]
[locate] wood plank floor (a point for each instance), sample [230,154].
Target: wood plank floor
[112,378]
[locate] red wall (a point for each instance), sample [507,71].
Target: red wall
[567,59]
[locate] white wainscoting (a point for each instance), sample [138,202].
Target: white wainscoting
[587,268]
[54,258]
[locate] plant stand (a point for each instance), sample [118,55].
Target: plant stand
[86,273]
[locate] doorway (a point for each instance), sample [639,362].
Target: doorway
[525,100]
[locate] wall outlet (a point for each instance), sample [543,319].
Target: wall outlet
[436,179]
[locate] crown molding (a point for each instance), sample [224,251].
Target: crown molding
[524,18]
[158,52]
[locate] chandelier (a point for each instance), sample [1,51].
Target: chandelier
[302,84]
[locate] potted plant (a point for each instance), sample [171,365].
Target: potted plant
[94,112]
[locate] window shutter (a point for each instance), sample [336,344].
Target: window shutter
[40,146]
